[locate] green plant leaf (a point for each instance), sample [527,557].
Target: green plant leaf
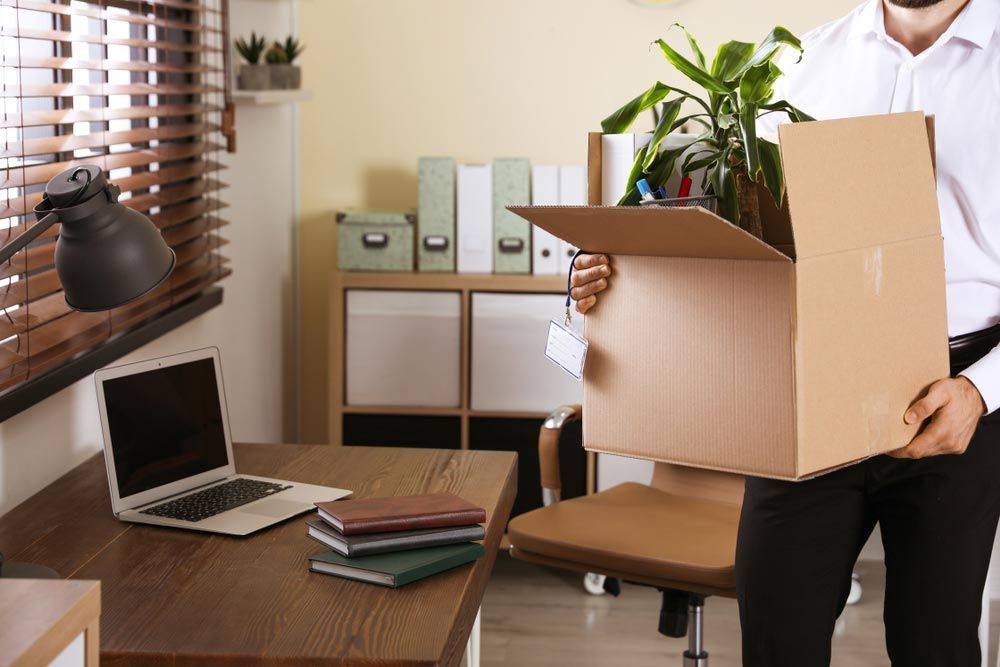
[797,115]
[670,112]
[770,167]
[699,55]
[691,164]
[621,120]
[724,187]
[748,130]
[757,83]
[730,57]
[767,49]
[692,71]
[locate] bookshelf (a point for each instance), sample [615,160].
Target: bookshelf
[488,424]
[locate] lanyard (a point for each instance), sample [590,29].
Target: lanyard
[569,285]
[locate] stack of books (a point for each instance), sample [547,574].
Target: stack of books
[394,541]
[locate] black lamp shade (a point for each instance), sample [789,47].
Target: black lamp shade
[107,254]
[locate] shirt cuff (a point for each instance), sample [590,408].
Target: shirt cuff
[985,374]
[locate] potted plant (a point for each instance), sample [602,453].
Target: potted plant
[252,74]
[285,74]
[293,49]
[739,87]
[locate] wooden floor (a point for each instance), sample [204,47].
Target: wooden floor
[533,616]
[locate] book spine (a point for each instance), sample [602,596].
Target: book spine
[449,520]
[413,542]
[417,573]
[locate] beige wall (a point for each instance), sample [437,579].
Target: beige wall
[397,79]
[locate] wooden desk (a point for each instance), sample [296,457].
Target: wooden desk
[178,597]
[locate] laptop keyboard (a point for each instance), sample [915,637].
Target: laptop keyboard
[215,500]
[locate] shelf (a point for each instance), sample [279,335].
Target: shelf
[417,410]
[476,282]
[424,411]
[264,97]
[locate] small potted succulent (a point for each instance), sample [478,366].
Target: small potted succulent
[253,75]
[285,74]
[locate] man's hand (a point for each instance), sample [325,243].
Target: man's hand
[955,406]
[590,276]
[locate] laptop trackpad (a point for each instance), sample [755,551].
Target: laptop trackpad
[274,507]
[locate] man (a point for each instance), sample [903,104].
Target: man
[937,499]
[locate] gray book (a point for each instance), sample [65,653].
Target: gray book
[378,543]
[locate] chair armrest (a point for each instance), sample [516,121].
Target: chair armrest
[548,450]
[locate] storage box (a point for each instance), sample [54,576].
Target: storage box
[436,214]
[375,241]
[403,348]
[474,218]
[511,234]
[509,373]
[715,349]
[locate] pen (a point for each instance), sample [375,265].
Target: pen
[685,189]
[644,190]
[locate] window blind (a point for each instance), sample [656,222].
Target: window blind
[139,88]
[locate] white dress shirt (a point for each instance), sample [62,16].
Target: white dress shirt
[851,67]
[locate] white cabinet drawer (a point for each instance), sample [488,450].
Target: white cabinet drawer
[403,348]
[509,370]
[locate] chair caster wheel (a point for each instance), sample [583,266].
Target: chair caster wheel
[594,583]
[855,595]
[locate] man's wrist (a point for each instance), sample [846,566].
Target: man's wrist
[974,392]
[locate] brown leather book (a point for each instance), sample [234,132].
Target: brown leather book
[386,515]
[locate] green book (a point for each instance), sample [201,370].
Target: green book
[399,568]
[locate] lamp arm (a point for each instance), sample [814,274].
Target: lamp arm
[27,236]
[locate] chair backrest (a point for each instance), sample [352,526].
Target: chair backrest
[698,483]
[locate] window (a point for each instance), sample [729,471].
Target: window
[140,89]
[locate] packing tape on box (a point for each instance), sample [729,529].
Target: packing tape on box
[877,428]
[873,271]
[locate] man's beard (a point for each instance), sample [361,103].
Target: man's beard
[914,4]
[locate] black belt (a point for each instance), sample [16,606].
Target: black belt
[969,348]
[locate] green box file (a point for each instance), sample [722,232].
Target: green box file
[375,241]
[436,214]
[511,233]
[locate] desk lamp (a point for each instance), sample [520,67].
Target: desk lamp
[106,256]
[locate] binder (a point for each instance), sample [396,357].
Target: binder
[436,214]
[545,248]
[474,218]
[572,192]
[617,156]
[511,233]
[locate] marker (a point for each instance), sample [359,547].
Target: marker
[644,191]
[685,189]
[663,193]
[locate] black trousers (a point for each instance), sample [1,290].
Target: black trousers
[798,542]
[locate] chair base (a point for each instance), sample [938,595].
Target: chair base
[691,661]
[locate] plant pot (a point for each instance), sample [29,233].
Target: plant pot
[254,77]
[285,77]
[749,205]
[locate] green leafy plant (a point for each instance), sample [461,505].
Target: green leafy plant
[739,86]
[251,50]
[291,47]
[276,56]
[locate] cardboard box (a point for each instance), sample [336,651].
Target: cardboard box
[715,349]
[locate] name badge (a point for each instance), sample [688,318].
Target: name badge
[566,349]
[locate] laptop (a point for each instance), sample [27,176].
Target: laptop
[169,454]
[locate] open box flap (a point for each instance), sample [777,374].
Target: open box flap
[859,182]
[663,232]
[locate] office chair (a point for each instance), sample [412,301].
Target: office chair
[677,534]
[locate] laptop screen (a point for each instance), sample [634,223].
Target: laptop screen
[165,425]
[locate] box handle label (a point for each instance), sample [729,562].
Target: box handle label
[511,245]
[435,243]
[375,240]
